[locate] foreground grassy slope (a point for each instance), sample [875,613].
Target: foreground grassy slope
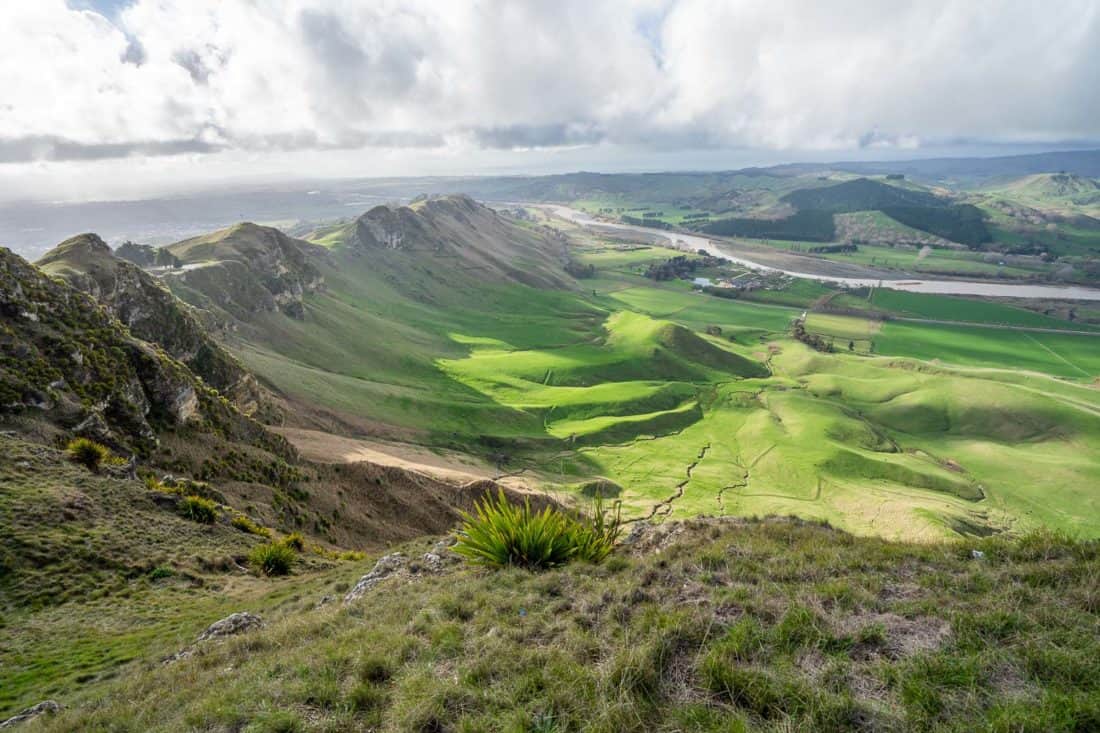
[708,626]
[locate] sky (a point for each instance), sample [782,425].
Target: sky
[126,98]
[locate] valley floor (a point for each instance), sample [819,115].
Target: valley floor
[946,418]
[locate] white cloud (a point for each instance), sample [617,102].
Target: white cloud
[230,78]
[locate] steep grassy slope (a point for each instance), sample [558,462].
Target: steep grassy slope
[707,626]
[244,270]
[98,570]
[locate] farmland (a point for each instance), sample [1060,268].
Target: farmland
[692,404]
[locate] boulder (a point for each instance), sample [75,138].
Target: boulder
[237,623]
[46,707]
[386,566]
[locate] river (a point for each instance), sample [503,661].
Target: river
[992,289]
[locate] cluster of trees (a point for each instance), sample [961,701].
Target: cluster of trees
[813,340]
[679,267]
[645,222]
[829,248]
[810,225]
[963,223]
[580,270]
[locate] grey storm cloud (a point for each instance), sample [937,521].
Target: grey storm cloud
[47,147]
[181,76]
[538,136]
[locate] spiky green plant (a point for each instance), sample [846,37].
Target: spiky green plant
[295,541]
[88,453]
[245,524]
[272,558]
[198,509]
[501,533]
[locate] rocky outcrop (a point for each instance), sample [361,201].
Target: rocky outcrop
[144,255]
[65,359]
[46,707]
[141,302]
[397,564]
[247,269]
[232,625]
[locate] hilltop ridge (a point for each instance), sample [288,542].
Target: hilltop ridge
[142,303]
[246,269]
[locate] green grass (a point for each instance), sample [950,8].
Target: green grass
[948,308]
[1066,355]
[750,626]
[97,575]
[625,385]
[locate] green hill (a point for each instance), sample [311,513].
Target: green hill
[861,194]
[244,270]
[960,223]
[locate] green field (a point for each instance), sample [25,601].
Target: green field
[695,404]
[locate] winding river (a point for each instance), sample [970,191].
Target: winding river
[942,287]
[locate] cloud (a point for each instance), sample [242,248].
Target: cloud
[49,147]
[164,77]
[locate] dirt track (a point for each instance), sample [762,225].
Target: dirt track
[453,467]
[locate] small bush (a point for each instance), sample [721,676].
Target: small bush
[198,509]
[88,453]
[272,559]
[245,524]
[501,533]
[294,541]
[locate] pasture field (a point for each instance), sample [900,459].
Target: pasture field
[948,308]
[692,404]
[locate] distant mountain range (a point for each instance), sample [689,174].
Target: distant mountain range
[30,228]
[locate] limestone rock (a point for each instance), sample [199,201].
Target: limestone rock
[43,708]
[231,625]
[386,566]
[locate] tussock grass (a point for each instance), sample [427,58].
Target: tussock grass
[295,541]
[731,626]
[500,533]
[88,453]
[198,509]
[272,559]
[245,524]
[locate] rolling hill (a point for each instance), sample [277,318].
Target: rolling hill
[446,325]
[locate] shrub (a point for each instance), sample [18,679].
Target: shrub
[272,558]
[295,541]
[198,509]
[501,533]
[245,524]
[88,453]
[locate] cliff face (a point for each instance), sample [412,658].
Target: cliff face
[246,269]
[140,302]
[67,360]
